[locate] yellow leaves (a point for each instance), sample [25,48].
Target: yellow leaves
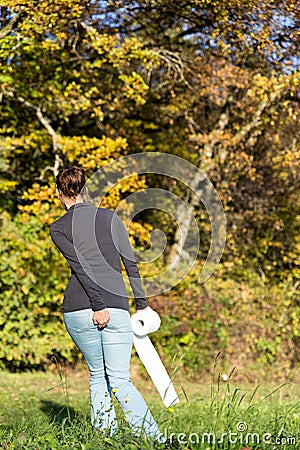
[135,87]
[73,98]
[102,43]
[268,88]
[115,196]
[91,152]
[98,113]
[44,193]
[39,198]
[61,36]
[25,289]
[38,139]
[72,88]
[98,63]
[7,185]
[44,15]
[119,52]
[286,162]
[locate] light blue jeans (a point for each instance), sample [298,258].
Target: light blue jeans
[107,352]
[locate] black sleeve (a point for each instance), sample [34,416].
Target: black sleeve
[131,267]
[79,266]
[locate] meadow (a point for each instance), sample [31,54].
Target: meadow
[50,410]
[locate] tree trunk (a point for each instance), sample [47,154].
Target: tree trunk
[198,188]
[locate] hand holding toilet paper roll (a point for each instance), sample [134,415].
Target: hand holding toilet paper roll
[144,322]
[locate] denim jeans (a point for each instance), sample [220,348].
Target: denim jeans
[107,352]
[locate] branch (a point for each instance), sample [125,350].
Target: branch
[173,62]
[46,123]
[275,94]
[10,26]
[43,119]
[214,135]
[54,168]
[88,28]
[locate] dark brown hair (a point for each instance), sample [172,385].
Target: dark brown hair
[71,181]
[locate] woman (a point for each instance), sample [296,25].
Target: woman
[95,307]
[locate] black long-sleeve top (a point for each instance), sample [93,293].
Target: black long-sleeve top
[94,241]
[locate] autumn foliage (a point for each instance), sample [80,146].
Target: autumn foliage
[214,82]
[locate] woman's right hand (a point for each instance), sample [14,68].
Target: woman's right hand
[101,318]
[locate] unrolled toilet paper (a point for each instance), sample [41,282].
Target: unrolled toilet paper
[143,323]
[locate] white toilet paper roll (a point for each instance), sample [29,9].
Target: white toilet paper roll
[145,322]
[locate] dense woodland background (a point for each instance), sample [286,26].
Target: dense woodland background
[215,82]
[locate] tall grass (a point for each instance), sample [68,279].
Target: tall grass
[216,416]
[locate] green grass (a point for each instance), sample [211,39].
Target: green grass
[51,411]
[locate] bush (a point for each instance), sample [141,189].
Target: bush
[31,328]
[253,322]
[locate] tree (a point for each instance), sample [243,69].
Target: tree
[225,97]
[84,82]
[55,111]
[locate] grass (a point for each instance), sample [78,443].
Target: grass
[51,411]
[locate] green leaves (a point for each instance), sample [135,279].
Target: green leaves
[31,294]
